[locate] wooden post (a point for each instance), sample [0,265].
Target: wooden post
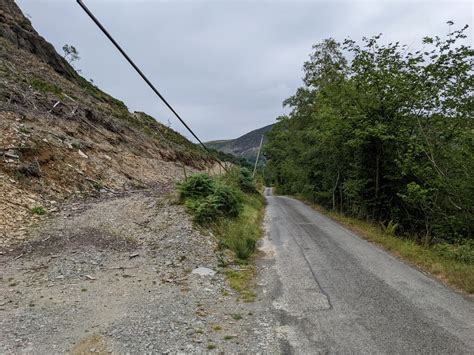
[184,170]
[258,156]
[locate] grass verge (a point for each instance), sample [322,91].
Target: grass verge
[233,210]
[240,235]
[432,259]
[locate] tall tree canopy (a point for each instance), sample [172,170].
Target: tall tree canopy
[382,132]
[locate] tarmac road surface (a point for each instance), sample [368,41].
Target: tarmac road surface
[337,293]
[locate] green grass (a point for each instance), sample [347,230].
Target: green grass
[237,316]
[234,217]
[240,234]
[242,281]
[442,261]
[39,210]
[24,130]
[45,87]
[18,175]
[98,186]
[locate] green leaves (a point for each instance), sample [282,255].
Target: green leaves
[208,198]
[384,131]
[197,185]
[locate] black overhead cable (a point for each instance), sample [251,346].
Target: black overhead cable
[97,22]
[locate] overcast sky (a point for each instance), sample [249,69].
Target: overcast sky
[226,66]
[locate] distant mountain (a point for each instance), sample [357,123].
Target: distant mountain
[245,146]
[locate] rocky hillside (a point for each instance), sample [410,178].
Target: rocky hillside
[96,256]
[245,146]
[61,136]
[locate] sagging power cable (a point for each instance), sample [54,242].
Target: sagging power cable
[155,90]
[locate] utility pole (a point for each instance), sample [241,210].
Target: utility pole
[258,156]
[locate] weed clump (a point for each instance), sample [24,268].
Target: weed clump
[98,186]
[209,199]
[45,87]
[243,247]
[39,210]
[197,185]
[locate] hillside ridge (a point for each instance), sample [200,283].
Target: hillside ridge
[245,146]
[62,136]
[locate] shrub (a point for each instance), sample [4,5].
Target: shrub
[243,247]
[203,210]
[390,228]
[246,182]
[228,200]
[223,201]
[39,210]
[197,185]
[463,252]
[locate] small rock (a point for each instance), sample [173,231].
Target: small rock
[81,153]
[203,271]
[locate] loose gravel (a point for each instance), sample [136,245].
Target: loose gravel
[114,275]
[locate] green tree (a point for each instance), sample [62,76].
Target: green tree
[383,133]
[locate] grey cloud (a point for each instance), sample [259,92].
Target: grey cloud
[226,66]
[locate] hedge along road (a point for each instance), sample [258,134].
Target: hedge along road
[335,292]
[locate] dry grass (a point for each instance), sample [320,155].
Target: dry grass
[458,274]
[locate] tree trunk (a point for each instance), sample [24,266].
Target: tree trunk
[340,199]
[377,177]
[334,192]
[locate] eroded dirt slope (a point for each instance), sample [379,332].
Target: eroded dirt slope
[60,136]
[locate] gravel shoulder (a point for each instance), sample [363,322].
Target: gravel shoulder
[115,274]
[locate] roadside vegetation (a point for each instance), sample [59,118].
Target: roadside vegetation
[384,134]
[232,208]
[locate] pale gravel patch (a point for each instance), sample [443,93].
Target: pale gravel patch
[67,293]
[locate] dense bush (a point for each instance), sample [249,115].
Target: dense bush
[197,185]
[222,201]
[208,198]
[229,205]
[462,253]
[228,200]
[246,182]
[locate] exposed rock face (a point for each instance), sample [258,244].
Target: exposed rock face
[16,28]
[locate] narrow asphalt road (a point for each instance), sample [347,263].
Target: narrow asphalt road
[337,293]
